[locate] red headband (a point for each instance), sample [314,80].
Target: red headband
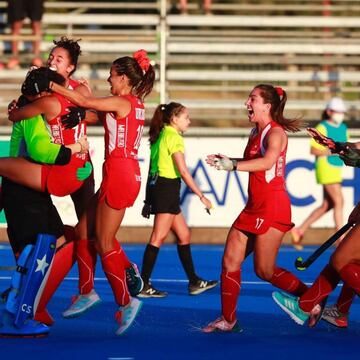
[142,59]
[279,90]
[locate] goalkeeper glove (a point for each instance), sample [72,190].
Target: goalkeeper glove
[73,117]
[227,164]
[84,172]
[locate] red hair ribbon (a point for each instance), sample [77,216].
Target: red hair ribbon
[279,91]
[142,59]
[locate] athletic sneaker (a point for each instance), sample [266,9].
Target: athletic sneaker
[333,316]
[148,291]
[133,280]
[222,325]
[127,314]
[291,306]
[296,238]
[201,286]
[82,303]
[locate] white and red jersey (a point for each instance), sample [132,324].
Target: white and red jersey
[73,84]
[123,135]
[63,136]
[267,180]
[268,203]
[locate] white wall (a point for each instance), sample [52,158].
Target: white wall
[227,190]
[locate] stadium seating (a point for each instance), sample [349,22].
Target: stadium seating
[210,63]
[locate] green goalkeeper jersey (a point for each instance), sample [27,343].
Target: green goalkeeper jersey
[30,138]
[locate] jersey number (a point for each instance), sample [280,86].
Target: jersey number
[259,222]
[138,136]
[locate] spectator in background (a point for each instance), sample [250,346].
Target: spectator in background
[206,6]
[17,11]
[328,169]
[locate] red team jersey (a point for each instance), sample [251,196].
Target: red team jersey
[121,173]
[61,180]
[268,203]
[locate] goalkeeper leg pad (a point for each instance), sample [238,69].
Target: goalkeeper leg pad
[30,278]
[30,328]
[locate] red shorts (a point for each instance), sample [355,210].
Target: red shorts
[61,180]
[121,182]
[273,211]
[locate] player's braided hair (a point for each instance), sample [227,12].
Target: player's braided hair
[72,47]
[277,99]
[163,115]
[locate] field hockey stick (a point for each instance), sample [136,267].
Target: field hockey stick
[303,265]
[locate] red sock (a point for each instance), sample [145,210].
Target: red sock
[121,251]
[230,290]
[115,272]
[63,261]
[86,258]
[69,233]
[288,282]
[345,299]
[322,287]
[350,274]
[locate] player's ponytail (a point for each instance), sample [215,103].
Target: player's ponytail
[277,97]
[139,71]
[162,116]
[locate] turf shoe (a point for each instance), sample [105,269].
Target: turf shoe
[222,325]
[134,281]
[149,291]
[334,317]
[126,315]
[291,306]
[81,303]
[201,286]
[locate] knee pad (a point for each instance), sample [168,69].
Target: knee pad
[30,278]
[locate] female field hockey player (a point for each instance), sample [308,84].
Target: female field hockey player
[344,263]
[43,177]
[131,80]
[266,218]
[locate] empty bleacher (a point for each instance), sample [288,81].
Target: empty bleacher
[210,63]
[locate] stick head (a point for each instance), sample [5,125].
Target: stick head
[299,264]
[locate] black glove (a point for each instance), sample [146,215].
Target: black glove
[73,117]
[351,157]
[146,210]
[340,147]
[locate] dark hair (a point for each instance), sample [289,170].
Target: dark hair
[325,115]
[72,47]
[141,81]
[163,115]
[270,95]
[38,80]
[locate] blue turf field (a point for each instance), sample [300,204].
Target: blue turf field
[168,328]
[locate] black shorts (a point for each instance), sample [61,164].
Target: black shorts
[21,9]
[28,213]
[164,196]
